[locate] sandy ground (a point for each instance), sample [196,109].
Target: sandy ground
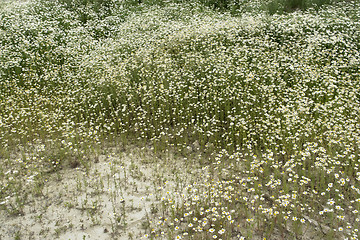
[117,197]
[111,200]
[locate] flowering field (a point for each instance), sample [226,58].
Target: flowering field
[262,109]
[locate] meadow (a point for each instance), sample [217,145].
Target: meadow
[257,103]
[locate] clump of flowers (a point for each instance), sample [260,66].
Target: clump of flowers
[273,101]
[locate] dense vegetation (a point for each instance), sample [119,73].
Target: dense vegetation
[269,93]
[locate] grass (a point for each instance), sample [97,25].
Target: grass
[263,96]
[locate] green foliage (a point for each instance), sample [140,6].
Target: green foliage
[270,6]
[95,5]
[280,6]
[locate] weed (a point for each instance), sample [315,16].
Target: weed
[267,103]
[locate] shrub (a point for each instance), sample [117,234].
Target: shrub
[270,6]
